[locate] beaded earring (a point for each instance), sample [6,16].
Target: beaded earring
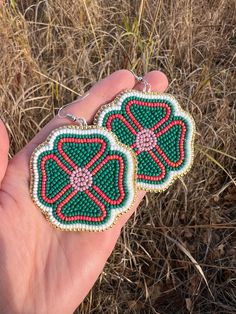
[82,178]
[160,133]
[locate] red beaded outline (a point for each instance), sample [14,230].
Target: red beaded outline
[140,128]
[93,172]
[149,95]
[97,189]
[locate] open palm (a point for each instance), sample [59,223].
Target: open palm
[44,270]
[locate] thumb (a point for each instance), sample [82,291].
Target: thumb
[4,147]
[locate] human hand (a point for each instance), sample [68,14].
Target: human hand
[44,270]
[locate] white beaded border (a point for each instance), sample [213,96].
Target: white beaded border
[115,145]
[173,175]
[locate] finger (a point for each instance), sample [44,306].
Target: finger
[4,148]
[159,83]
[102,92]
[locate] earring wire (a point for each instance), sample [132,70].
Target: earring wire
[79,120]
[147,86]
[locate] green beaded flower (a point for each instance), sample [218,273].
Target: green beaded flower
[160,133]
[82,179]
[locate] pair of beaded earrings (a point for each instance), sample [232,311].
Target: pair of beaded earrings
[84,177]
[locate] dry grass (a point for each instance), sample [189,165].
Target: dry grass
[178,253]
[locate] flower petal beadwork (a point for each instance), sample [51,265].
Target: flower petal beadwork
[160,133]
[82,179]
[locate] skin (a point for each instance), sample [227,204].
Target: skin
[44,270]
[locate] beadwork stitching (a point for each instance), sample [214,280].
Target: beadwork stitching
[83,178]
[134,117]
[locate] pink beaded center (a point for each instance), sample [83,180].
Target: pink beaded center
[145,140]
[81,179]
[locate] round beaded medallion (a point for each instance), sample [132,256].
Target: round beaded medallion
[82,179]
[160,133]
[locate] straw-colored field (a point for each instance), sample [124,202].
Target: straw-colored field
[178,253]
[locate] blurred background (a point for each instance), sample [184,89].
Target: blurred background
[178,253]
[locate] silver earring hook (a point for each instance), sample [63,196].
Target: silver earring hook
[79,120]
[147,86]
